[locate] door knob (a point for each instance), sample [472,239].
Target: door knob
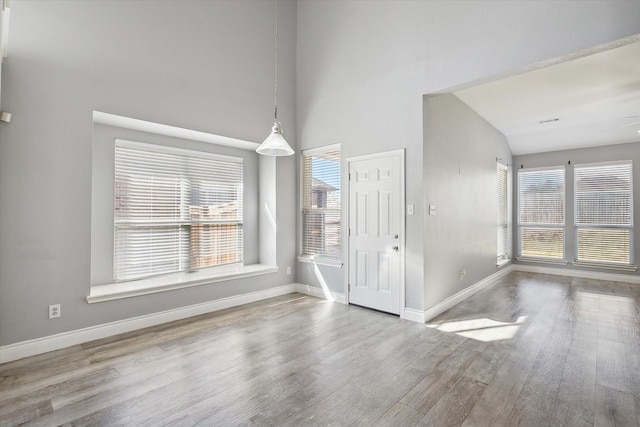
[395,236]
[395,248]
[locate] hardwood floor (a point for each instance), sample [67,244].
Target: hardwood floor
[532,349]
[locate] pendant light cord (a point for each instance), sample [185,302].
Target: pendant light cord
[275,94]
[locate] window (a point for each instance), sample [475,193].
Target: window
[321,204]
[504,202]
[174,210]
[604,212]
[541,213]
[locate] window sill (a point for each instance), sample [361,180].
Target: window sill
[503,262]
[320,261]
[605,266]
[170,282]
[543,260]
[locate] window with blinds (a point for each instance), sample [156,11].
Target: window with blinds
[174,210]
[541,216]
[321,209]
[604,212]
[503,212]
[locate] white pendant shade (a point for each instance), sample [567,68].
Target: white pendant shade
[275,145]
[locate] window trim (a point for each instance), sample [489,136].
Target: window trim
[108,127]
[563,227]
[576,227]
[312,258]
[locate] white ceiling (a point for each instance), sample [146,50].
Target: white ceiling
[596,99]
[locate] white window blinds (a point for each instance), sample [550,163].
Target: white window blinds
[541,216]
[321,209]
[604,212]
[503,212]
[174,210]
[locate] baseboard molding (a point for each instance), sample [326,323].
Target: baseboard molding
[320,293]
[583,274]
[414,315]
[36,346]
[445,305]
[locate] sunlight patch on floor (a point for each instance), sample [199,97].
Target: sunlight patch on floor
[286,302]
[483,329]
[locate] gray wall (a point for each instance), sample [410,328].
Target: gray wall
[364,66]
[629,151]
[319,275]
[206,66]
[460,180]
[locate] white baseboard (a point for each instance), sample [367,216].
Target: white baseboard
[36,346]
[583,274]
[445,305]
[320,293]
[414,315]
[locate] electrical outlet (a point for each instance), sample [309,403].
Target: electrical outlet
[288,270]
[462,273]
[54,311]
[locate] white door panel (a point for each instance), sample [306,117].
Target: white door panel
[375,252]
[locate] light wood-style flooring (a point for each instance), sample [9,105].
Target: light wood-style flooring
[532,349]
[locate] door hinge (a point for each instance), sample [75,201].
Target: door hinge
[349,287]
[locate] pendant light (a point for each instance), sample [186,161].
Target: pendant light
[274,144]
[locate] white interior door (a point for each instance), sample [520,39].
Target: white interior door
[376,227]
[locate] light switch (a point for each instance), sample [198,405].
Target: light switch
[410,209]
[432,209]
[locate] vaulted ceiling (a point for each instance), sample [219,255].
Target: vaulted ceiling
[590,101]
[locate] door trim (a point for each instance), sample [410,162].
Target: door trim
[393,153]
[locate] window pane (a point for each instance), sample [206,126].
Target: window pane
[141,251]
[147,197]
[603,195]
[322,204]
[175,210]
[322,233]
[541,213]
[214,244]
[604,245]
[215,200]
[604,200]
[541,196]
[542,242]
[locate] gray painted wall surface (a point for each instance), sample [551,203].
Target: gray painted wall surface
[319,275]
[460,180]
[364,66]
[629,151]
[206,66]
